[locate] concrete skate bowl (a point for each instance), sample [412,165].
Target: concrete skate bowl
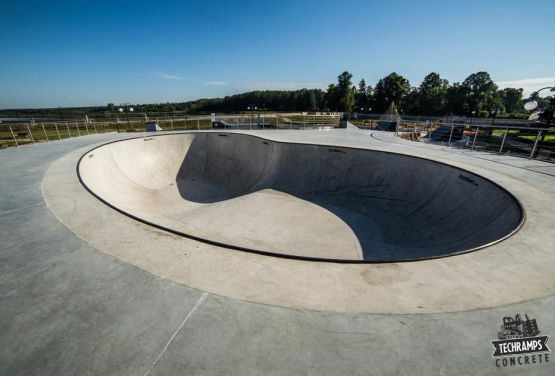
[301,201]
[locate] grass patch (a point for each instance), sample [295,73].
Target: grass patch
[60,131]
[548,137]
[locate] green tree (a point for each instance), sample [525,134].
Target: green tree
[332,98]
[311,103]
[345,95]
[320,98]
[480,94]
[370,97]
[412,102]
[432,95]
[392,88]
[456,97]
[362,96]
[512,100]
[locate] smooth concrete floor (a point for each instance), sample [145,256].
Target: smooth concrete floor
[67,309]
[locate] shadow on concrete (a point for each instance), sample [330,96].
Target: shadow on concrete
[399,207]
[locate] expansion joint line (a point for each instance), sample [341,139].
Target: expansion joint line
[193,310]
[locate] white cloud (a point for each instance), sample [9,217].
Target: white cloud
[215,83]
[529,84]
[166,76]
[276,85]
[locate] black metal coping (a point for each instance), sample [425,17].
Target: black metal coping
[291,256]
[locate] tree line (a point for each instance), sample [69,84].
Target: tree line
[477,95]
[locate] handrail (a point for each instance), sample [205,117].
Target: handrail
[531,145]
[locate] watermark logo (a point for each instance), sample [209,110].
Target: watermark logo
[519,344]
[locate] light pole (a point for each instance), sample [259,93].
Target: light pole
[493,113]
[263,113]
[251,108]
[126,108]
[532,104]
[549,112]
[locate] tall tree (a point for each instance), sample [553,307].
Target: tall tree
[370,97]
[412,102]
[311,103]
[346,97]
[392,88]
[362,96]
[480,94]
[512,100]
[456,97]
[432,95]
[331,98]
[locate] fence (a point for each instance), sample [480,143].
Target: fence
[521,141]
[276,121]
[16,134]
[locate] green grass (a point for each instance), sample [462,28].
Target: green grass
[38,135]
[312,118]
[548,137]
[501,132]
[363,122]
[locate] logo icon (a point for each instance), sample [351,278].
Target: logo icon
[518,343]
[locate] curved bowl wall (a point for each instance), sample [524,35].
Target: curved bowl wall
[298,200]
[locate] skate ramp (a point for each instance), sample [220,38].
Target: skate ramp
[299,200]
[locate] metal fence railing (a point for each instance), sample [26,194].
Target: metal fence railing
[530,142]
[19,134]
[16,134]
[276,121]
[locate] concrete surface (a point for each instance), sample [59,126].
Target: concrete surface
[298,199]
[67,306]
[466,282]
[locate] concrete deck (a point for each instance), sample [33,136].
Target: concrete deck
[86,290]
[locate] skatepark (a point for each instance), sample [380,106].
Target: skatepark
[301,200]
[269,251]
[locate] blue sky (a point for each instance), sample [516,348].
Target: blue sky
[73,53]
